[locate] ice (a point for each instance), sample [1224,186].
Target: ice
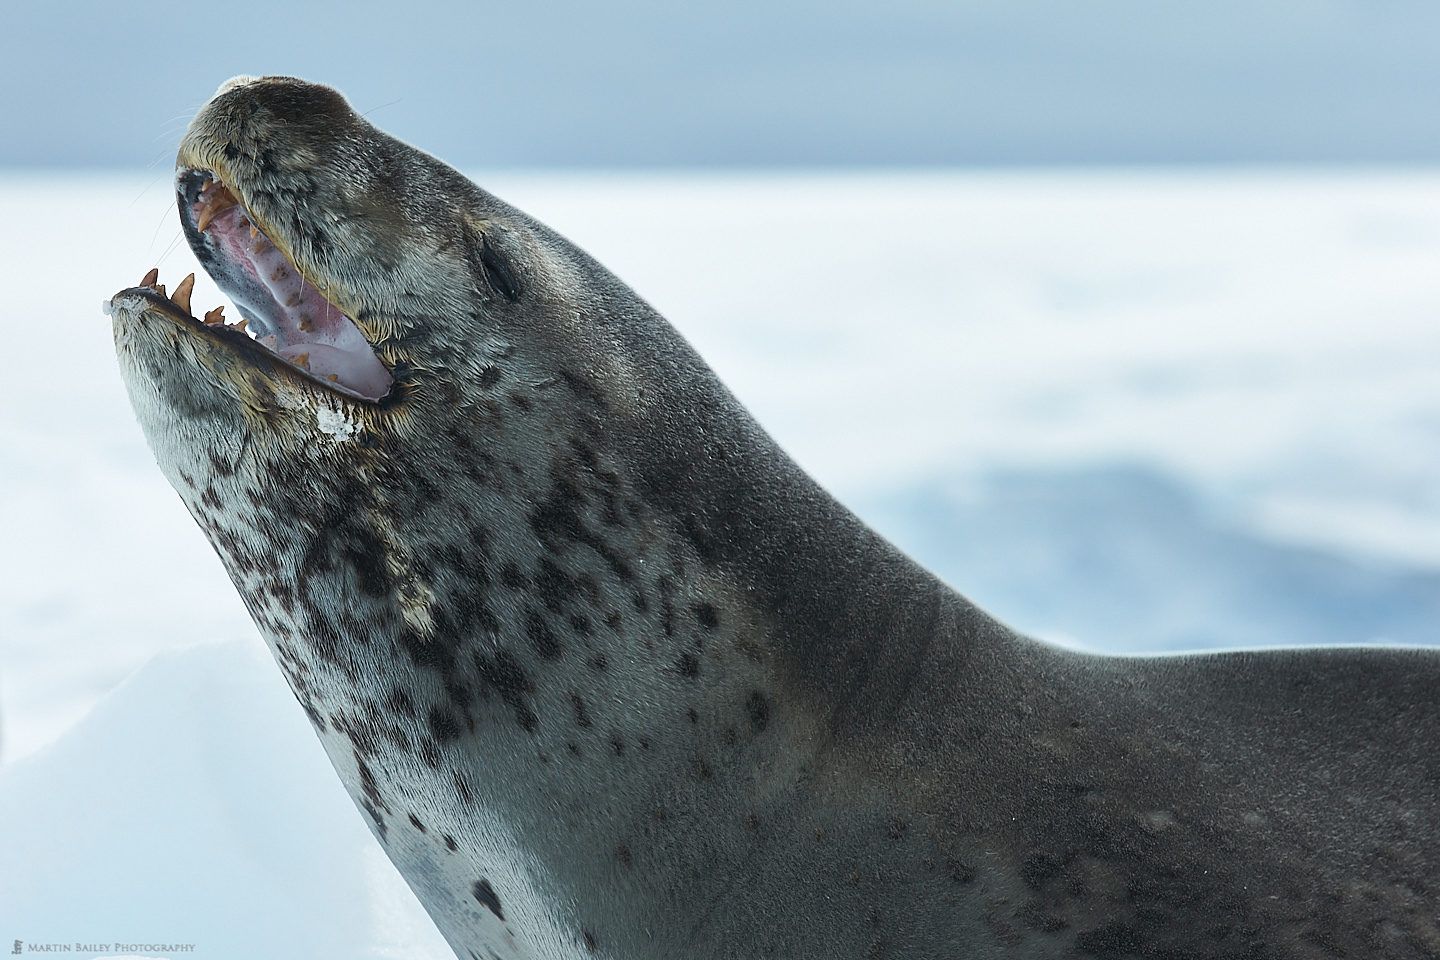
[195,806]
[335,423]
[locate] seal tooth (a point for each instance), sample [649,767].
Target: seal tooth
[149,279]
[159,288]
[244,322]
[216,316]
[302,360]
[181,296]
[216,198]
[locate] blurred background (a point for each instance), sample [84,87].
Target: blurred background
[1123,317]
[802,83]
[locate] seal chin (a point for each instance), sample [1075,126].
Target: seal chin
[281,310]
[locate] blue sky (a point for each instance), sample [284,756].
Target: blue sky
[655,83]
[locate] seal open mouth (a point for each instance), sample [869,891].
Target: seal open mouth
[280,309]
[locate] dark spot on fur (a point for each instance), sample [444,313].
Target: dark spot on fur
[557,519]
[617,745]
[582,717]
[553,584]
[1115,939]
[667,608]
[589,940]
[599,663]
[367,783]
[960,871]
[757,708]
[417,824]
[1037,917]
[522,402]
[1039,868]
[425,652]
[462,788]
[702,769]
[485,896]
[365,554]
[622,853]
[399,701]
[707,616]
[541,636]
[221,467]
[511,576]
[692,715]
[443,725]
[503,672]
[460,695]
[489,377]
[450,843]
[689,666]
[752,822]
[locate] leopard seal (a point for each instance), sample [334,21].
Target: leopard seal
[610,676]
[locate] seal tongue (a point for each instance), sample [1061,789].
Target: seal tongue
[297,322]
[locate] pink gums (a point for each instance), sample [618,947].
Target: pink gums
[310,331]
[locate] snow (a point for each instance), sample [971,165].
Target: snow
[1125,410]
[194,806]
[335,423]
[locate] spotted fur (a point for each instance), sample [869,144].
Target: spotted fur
[609,676]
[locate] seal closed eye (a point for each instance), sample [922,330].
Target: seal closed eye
[608,675]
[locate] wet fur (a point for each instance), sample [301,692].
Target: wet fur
[610,676]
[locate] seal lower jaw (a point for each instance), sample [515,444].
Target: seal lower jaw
[282,311]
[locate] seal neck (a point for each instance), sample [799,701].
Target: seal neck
[853,620]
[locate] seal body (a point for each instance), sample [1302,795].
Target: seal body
[610,676]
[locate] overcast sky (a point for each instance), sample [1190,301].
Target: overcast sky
[753,82]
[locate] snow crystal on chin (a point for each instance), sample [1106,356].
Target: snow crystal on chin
[336,423]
